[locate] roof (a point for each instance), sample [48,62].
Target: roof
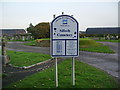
[108,30]
[11,32]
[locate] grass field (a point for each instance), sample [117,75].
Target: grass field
[3,75]
[44,39]
[26,58]
[86,77]
[18,40]
[31,43]
[87,44]
[116,41]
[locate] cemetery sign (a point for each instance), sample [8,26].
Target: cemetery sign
[64,37]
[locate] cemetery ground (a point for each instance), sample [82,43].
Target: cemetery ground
[103,40]
[26,58]
[86,75]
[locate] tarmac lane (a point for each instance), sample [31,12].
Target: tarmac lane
[105,62]
[19,46]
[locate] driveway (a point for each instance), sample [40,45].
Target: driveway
[19,46]
[106,62]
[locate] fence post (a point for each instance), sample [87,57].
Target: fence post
[5,58]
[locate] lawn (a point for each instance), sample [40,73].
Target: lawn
[31,43]
[3,75]
[34,43]
[86,77]
[44,39]
[18,40]
[86,44]
[26,58]
[115,41]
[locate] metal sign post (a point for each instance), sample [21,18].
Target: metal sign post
[64,40]
[73,71]
[1,63]
[56,72]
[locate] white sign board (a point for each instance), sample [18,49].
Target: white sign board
[64,37]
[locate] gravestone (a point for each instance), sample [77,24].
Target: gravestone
[23,38]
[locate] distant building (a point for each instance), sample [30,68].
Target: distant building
[109,30]
[0,32]
[82,32]
[11,32]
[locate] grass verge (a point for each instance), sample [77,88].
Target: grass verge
[115,41]
[18,40]
[34,43]
[31,43]
[87,44]
[26,58]
[3,75]
[86,77]
[44,39]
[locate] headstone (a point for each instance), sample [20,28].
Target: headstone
[117,37]
[23,38]
[31,37]
[12,38]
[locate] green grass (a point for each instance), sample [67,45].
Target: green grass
[18,40]
[86,77]
[87,44]
[0,75]
[26,58]
[31,43]
[99,49]
[109,40]
[44,39]
[3,75]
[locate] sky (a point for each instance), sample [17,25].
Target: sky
[92,13]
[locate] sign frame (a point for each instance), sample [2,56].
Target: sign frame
[51,34]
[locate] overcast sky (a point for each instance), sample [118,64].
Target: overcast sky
[95,13]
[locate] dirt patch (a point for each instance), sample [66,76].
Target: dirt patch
[43,43]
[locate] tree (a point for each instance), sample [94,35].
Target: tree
[30,29]
[41,30]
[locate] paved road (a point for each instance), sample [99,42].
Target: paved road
[113,46]
[106,62]
[19,46]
